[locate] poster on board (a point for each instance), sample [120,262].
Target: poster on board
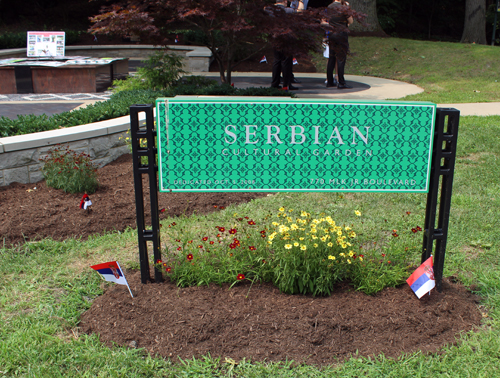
[45,44]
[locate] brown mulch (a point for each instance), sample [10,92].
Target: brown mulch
[258,322]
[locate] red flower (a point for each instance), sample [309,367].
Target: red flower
[200,246]
[395,235]
[263,232]
[232,231]
[383,254]
[190,257]
[237,242]
[179,248]
[221,229]
[168,269]
[205,238]
[251,222]
[413,230]
[215,206]
[263,261]
[173,224]
[221,207]
[178,240]
[361,256]
[246,217]
[240,219]
[240,277]
[232,246]
[263,235]
[158,261]
[190,241]
[408,213]
[211,242]
[418,228]
[162,210]
[165,265]
[251,248]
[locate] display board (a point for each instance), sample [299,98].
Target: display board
[45,44]
[283,144]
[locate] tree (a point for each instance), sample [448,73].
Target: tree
[371,25]
[475,22]
[231,27]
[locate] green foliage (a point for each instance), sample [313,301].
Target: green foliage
[12,40]
[298,253]
[310,254]
[70,171]
[161,70]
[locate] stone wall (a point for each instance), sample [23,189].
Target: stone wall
[197,58]
[19,155]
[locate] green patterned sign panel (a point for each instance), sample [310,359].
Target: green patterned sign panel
[278,144]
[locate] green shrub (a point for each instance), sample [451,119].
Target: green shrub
[70,171]
[161,70]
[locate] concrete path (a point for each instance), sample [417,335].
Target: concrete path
[312,85]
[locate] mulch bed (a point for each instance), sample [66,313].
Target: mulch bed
[257,323]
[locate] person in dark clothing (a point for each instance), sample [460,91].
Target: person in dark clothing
[282,63]
[338,44]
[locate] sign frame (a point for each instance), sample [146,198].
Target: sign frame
[437,211]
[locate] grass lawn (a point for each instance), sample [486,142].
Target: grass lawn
[45,286]
[448,72]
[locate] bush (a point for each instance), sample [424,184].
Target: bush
[161,70]
[70,171]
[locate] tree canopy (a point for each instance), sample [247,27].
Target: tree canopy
[229,26]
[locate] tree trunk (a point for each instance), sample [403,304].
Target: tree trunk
[475,22]
[368,7]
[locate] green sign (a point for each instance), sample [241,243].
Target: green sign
[283,144]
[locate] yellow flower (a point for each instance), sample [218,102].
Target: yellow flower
[303,247]
[314,237]
[330,244]
[339,233]
[348,261]
[269,242]
[275,224]
[290,210]
[294,227]
[288,246]
[331,257]
[342,254]
[360,258]
[303,214]
[301,238]
[343,245]
[323,238]
[289,219]
[351,253]
[315,245]
[281,209]
[352,234]
[358,213]
[296,244]
[347,228]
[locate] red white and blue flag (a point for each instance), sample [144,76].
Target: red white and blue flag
[422,280]
[263,59]
[295,61]
[112,272]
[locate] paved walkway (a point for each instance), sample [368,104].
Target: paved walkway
[312,85]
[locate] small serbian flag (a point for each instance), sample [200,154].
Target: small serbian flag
[112,272]
[422,280]
[295,61]
[263,59]
[85,203]
[176,39]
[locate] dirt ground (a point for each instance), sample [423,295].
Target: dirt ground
[257,323]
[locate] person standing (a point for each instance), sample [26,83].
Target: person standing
[282,63]
[338,44]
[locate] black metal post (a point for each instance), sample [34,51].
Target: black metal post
[151,168]
[442,168]
[497,9]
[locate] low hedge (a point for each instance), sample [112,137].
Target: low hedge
[118,105]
